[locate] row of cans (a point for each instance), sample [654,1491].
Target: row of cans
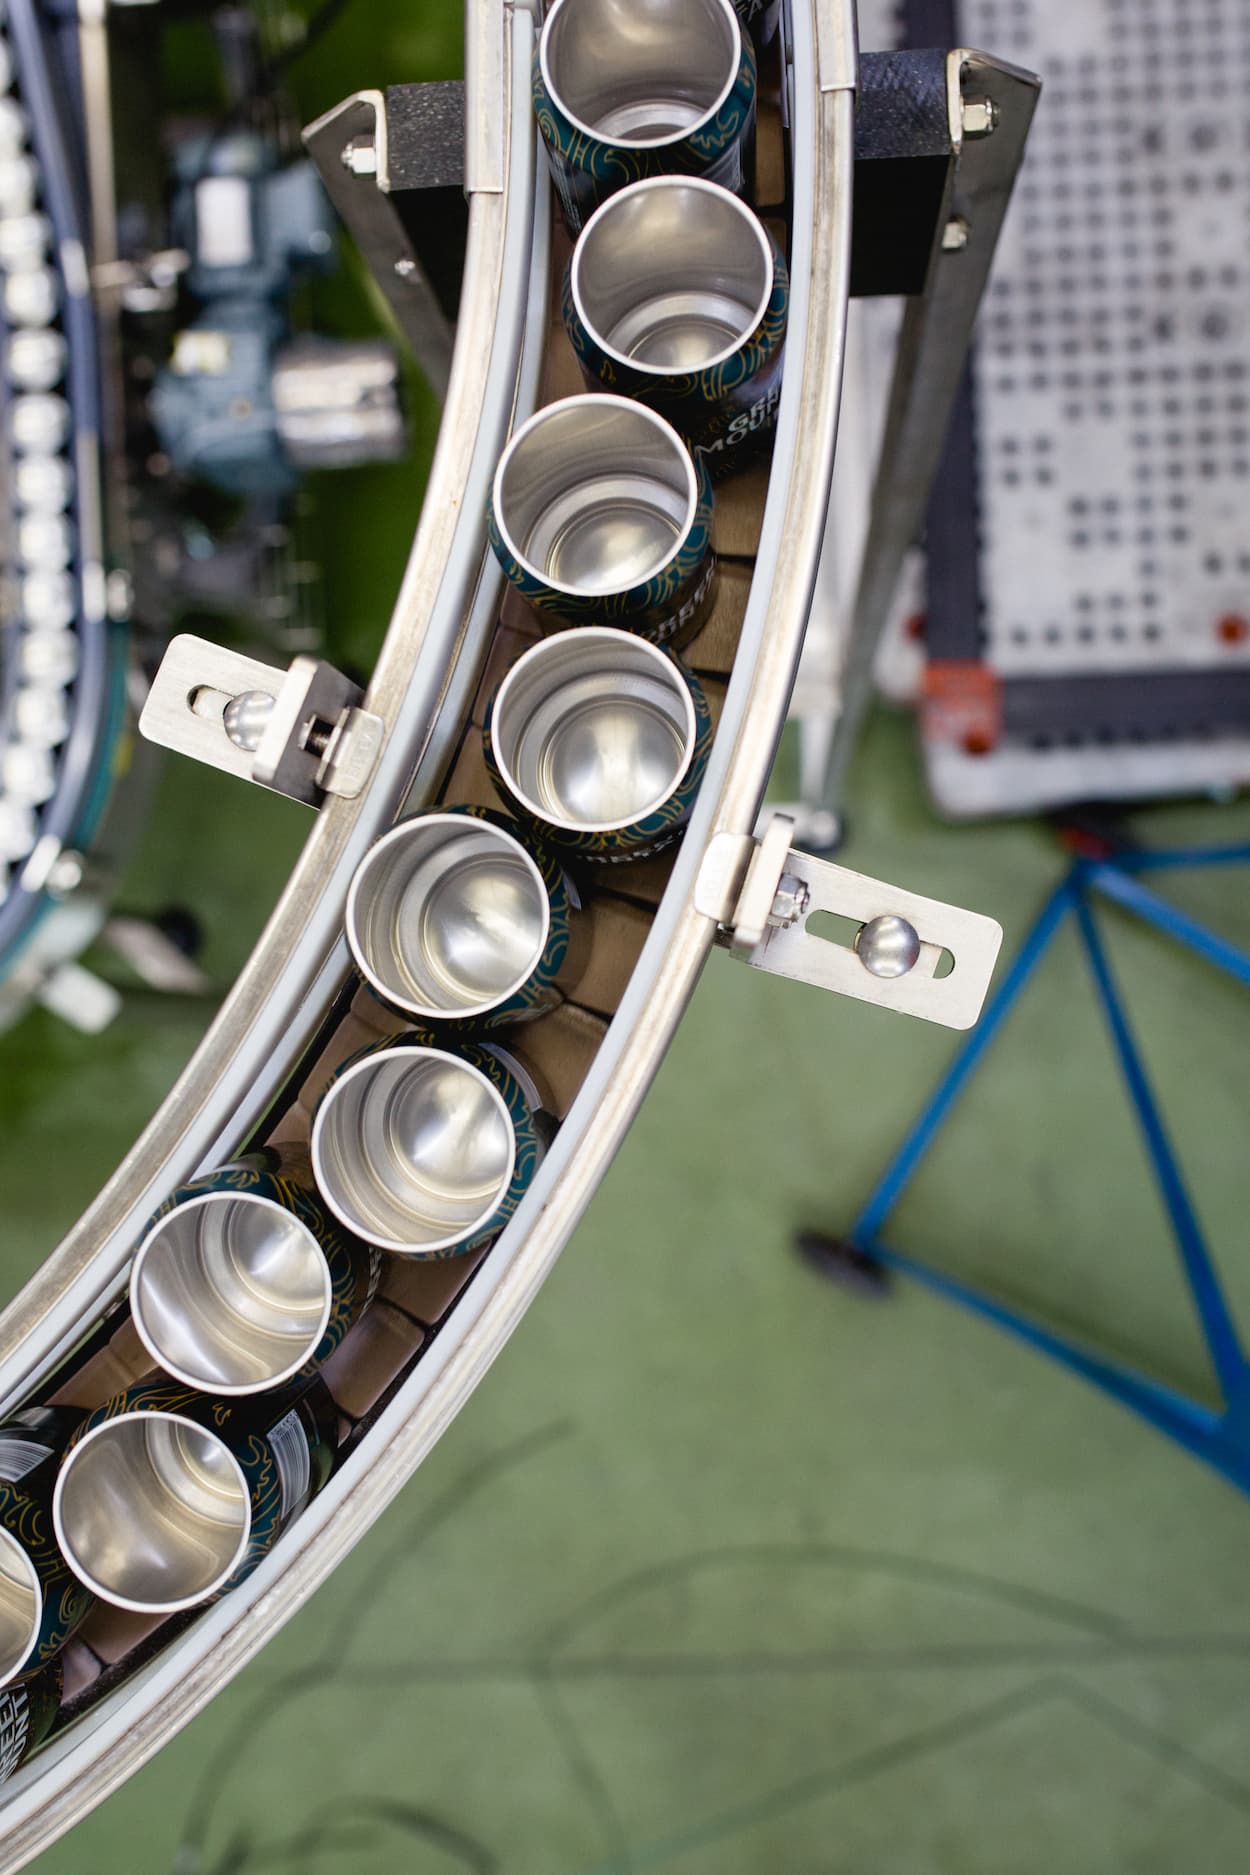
[674,301]
[158,1501]
[466,921]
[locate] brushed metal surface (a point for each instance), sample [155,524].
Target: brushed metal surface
[230,1292]
[21,1606]
[152,1512]
[594,495]
[639,71]
[299,959]
[673,273]
[447,917]
[413,1150]
[592,729]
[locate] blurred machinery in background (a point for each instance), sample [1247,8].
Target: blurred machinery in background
[244,404]
[164,397]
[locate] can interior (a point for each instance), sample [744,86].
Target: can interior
[21,1606]
[673,274]
[448,916]
[595,495]
[638,72]
[414,1150]
[230,1291]
[593,729]
[152,1512]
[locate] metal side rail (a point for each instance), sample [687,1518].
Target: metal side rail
[300,959]
[418,703]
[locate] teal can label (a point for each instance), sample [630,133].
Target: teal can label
[27,1473]
[669,608]
[528,1124]
[638,839]
[722,413]
[27,1713]
[285,1449]
[285,1178]
[587,169]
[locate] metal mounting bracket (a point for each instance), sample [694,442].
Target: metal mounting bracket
[300,732]
[763,893]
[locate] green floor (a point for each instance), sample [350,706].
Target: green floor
[722,1571]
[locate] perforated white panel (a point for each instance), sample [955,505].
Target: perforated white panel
[1113,384]
[1113,370]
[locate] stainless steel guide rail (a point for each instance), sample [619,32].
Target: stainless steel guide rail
[724,886]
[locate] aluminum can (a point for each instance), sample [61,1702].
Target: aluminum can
[600,515]
[28,1710]
[460,918]
[599,741]
[167,1498]
[424,1149]
[632,88]
[677,294]
[244,1281]
[42,1602]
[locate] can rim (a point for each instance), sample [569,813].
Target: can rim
[596,399]
[639,143]
[128,1603]
[430,1012]
[211,1384]
[647,184]
[549,647]
[400,1246]
[25,1563]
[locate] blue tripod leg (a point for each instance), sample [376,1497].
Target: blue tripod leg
[916,1145]
[1192,1425]
[1213,1311]
[1130,893]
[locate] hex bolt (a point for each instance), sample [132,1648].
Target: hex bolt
[789,903]
[360,156]
[955,235]
[978,117]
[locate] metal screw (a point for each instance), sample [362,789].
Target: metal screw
[316,736]
[888,946]
[789,903]
[360,156]
[979,117]
[955,235]
[405,268]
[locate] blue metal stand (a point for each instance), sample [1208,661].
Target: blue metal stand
[1219,1437]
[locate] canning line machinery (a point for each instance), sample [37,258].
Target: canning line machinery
[907,196]
[159,408]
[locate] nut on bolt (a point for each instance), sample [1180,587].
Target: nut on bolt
[361,156]
[979,117]
[789,903]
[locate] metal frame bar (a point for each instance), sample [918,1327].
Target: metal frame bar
[420,691]
[1219,1436]
[932,355]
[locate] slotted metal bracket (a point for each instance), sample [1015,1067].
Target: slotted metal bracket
[763,894]
[351,148]
[301,731]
